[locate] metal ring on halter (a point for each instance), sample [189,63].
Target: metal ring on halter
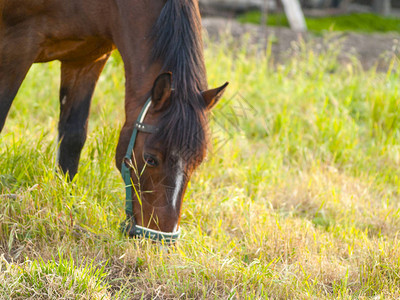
[147,128]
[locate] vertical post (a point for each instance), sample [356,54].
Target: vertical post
[344,4]
[336,3]
[382,7]
[264,12]
[295,15]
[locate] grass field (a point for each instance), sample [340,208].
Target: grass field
[360,22]
[298,199]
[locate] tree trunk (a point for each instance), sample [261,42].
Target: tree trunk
[295,15]
[344,4]
[264,12]
[382,7]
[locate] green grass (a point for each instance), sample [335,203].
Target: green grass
[364,22]
[52,279]
[298,199]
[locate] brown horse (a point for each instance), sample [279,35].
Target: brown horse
[161,47]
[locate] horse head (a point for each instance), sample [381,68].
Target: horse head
[168,143]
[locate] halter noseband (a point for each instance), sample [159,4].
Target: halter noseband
[130,226]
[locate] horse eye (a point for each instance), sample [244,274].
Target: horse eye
[150,160]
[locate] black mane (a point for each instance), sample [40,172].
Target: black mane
[178,46]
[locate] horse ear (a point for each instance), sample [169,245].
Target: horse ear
[211,97]
[161,91]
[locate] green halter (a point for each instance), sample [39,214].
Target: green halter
[130,226]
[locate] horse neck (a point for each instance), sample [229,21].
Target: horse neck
[132,38]
[136,46]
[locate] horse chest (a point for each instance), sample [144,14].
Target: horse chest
[74,49]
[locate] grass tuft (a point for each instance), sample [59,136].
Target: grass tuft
[52,280]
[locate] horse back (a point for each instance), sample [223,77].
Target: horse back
[56,29]
[52,13]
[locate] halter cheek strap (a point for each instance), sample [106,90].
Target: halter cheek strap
[130,226]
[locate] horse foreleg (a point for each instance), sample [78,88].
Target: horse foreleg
[78,80]
[14,66]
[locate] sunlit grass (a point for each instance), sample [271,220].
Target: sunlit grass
[361,22]
[52,280]
[298,198]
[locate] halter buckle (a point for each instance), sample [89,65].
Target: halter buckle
[147,128]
